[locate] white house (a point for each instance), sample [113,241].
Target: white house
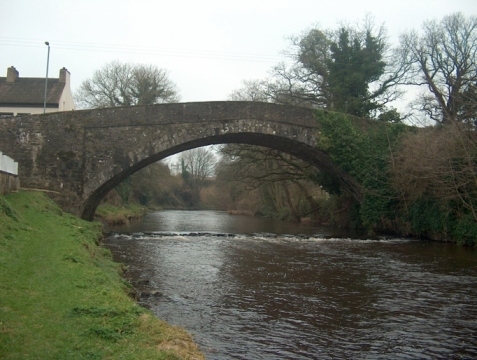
[26,95]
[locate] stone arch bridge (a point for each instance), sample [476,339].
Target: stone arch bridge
[79,156]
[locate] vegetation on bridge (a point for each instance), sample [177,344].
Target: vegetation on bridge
[62,297]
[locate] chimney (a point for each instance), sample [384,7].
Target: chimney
[12,74]
[64,75]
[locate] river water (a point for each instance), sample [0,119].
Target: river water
[250,288]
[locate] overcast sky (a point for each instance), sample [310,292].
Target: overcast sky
[207,46]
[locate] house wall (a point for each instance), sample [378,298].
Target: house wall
[26,110]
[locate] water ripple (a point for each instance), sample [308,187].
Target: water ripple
[267,296]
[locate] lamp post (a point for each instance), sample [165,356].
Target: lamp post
[46,79]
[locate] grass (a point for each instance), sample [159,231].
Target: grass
[62,297]
[117,215]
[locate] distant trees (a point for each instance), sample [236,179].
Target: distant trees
[156,186]
[124,84]
[197,168]
[443,62]
[253,90]
[198,164]
[285,186]
[152,186]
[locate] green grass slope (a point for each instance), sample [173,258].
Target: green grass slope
[61,295]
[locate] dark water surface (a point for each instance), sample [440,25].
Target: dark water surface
[245,293]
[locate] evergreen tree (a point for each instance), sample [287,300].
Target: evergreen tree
[353,66]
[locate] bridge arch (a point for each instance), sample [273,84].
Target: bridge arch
[300,150]
[80,156]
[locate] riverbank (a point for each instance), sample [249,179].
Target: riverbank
[119,215]
[62,296]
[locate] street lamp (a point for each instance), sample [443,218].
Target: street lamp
[46,79]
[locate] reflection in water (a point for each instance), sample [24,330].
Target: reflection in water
[295,297]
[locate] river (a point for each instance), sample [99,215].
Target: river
[251,288]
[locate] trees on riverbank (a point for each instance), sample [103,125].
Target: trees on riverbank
[416,182]
[434,172]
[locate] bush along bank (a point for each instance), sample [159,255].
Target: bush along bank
[416,182]
[62,297]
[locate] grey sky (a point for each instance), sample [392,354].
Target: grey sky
[207,46]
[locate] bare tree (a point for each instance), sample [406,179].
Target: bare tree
[124,84]
[443,62]
[199,163]
[252,90]
[441,162]
[281,180]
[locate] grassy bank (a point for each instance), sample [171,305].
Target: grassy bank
[118,215]
[61,296]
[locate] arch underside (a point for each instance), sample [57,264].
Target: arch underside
[295,148]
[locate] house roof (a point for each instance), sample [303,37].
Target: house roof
[30,92]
